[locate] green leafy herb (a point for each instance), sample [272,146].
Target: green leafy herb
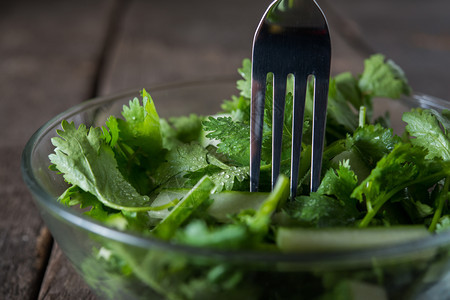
[86,161]
[429,133]
[185,180]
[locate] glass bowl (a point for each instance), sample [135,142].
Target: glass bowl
[123,265]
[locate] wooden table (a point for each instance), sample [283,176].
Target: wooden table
[54,54]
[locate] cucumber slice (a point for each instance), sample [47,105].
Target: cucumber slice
[224,204]
[194,198]
[341,239]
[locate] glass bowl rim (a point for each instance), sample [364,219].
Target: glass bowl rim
[138,240]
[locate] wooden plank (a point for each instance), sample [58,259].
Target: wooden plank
[170,41]
[61,280]
[24,241]
[49,53]
[201,39]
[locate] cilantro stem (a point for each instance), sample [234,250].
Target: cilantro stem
[166,206]
[268,167]
[371,212]
[442,198]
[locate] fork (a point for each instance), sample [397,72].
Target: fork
[292,38]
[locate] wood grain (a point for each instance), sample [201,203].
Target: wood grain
[24,241]
[62,281]
[157,44]
[49,51]
[170,41]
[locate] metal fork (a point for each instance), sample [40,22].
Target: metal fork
[291,39]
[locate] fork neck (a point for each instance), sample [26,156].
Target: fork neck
[296,13]
[285,5]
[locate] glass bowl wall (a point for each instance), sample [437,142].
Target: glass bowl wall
[123,265]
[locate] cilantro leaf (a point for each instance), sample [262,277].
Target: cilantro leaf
[404,166]
[179,161]
[373,142]
[320,210]
[383,79]
[245,84]
[339,111]
[364,148]
[178,130]
[224,177]
[234,138]
[112,135]
[347,89]
[238,108]
[424,126]
[339,183]
[75,196]
[187,128]
[141,127]
[86,160]
[331,205]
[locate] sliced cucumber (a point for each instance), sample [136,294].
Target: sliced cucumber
[180,212]
[224,204]
[340,239]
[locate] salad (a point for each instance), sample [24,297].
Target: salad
[186,179]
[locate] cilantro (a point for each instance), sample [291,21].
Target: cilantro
[112,135]
[319,209]
[141,127]
[199,193]
[404,166]
[372,142]
[225,177]
[185,179]
[181,160]
[244,85]
[429,132]
[339,183]
[238,108]
[339,108]
[187,128]
[86,160]
[234,138]
[383,79]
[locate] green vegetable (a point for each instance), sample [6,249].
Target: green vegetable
[330,240]
[185,180]
[193,199]
[87,161]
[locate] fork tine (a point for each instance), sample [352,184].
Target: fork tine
[292,37]
[256,127]
[279,100]
[320,103]
[297,129]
